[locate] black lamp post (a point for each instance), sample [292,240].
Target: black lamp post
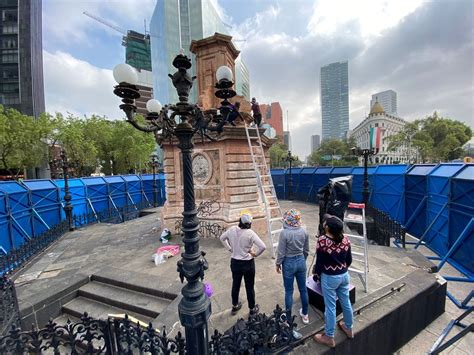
[67,194]
[364,153]
[154,165]
[290,159]
[194,308]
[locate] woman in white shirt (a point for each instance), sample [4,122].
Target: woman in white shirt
[240,240]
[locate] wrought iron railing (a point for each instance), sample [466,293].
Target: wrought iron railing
[260,334]
[18,256]
[9,311]
[385,228]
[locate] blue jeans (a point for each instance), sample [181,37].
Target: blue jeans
[333,285]
[295,267]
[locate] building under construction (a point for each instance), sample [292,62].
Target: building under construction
[137,50]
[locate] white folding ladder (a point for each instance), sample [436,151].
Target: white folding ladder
[355,214]
[266,188]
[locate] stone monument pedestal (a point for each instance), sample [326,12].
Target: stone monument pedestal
[225,183]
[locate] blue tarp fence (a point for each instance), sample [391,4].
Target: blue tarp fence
[433,202]
[31,207]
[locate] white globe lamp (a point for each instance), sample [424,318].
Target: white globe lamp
[153,106]
[124,73]
[224,73]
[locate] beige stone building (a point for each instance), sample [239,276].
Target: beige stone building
[373,132]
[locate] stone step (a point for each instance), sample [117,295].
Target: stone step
[126,299]
[97,310]
[63,318]
[140,284]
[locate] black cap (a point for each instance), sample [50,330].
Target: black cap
[334,223]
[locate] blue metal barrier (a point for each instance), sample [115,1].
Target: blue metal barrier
[305,184]
[436,234]
[77,190]
[45,204]
[358,182]
[19,215]
[416,195]
[278,177]
[147,181]
[388,190]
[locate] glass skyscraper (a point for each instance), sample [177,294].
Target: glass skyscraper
[174,24]
[335,100]
[242,80]
[21,64]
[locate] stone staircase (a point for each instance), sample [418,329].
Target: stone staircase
[104,296]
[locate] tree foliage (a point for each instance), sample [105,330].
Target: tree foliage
[278,156]
[333,152]
[89,142]
[22,140]
[434,139]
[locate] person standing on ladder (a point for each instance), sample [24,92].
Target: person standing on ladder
[333,258]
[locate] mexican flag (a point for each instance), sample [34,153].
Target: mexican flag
[375,137]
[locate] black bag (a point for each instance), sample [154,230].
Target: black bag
[334,198]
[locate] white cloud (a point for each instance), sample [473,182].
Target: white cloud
[421,49]
[369,17]
[76,86]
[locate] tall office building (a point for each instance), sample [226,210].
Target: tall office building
[174,24]
[315,142]
[242,78]
[388,100]
[335,100]
[21,65]
[287,139]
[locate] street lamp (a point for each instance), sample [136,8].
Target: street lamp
[364,153]
[154,165]
[67,194]
[195,307]
[290,159]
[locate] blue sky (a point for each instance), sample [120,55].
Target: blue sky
[422,49]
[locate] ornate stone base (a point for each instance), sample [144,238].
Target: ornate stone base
[225,184]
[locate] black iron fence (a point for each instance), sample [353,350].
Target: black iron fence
[381,227]
[18,256]
[9,311]
[260,334]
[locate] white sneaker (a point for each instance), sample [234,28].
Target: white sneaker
[297,335]
[304,317]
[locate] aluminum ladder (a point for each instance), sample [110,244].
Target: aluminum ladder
[355,214]
[266,188]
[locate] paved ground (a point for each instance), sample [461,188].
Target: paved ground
[125,250]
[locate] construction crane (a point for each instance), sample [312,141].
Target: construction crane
[106,23]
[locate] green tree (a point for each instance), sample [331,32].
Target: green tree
[278,153]
[23,140]
[131,149]
[278,156]
[434,139]
[333,152]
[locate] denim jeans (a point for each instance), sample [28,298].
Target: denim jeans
[295,267]
[333,285]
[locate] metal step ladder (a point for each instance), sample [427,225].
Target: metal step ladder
[355,214]
[265,186]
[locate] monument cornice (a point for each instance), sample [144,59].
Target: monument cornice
[217,38]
